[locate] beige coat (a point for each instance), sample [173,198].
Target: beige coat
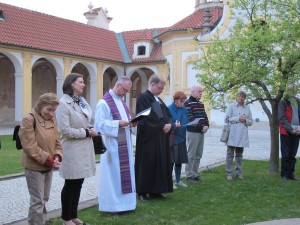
[40,142]
[78,150]
[238,135]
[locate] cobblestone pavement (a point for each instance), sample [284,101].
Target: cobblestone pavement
[14,198]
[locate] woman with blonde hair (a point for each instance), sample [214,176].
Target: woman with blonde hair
[42,154]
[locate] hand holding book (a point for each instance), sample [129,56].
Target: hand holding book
[141,115]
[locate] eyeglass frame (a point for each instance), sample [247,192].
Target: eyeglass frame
[124,89]
[159,88]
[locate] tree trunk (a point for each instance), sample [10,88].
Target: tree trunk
[274,134]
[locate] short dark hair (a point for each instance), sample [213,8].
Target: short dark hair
[156,79]
[67,86]
[242,93]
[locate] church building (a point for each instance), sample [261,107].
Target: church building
[37,51]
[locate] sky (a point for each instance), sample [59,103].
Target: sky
[127,14]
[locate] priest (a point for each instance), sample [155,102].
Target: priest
[117,181]
[152,161]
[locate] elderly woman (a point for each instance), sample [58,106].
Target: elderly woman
[239,117]
[74,117]
[178,147]
[41,154]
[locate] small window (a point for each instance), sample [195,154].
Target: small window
[142,50]
[1,15]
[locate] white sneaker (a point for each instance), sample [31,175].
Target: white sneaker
[180,184]
[174,186]
[240,177]
[229,177]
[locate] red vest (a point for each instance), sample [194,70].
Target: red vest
[288,115]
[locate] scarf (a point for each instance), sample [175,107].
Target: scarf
[122,144]
[79,100]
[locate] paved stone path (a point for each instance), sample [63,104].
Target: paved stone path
[14,197]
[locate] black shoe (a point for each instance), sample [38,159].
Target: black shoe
[293,178]
[120,213]
[197,179]
[190,180]
[285,178]
[143,197]
[154,195]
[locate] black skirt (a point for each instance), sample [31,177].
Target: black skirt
[179,153]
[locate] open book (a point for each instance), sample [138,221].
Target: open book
[141,115]
[296,127]
[195,121]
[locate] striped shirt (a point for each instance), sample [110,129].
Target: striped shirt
[196,110]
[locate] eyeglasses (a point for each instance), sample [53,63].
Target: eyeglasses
[159,87]
[124,89]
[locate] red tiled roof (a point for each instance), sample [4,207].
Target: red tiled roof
[195,20]
[143,35]
[27,28]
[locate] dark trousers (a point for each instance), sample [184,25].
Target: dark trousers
[177,170]
[289,147]
[70,195]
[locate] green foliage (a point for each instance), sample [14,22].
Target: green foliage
[260,196]
[261,55]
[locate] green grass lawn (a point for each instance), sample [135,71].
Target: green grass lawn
[10,157]
[261,196]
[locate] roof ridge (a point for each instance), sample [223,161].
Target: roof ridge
[124,50]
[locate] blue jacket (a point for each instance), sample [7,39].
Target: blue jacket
[180,114]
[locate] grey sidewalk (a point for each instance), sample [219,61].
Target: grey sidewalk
[14,198]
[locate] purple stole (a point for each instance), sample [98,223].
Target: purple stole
[122,144]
